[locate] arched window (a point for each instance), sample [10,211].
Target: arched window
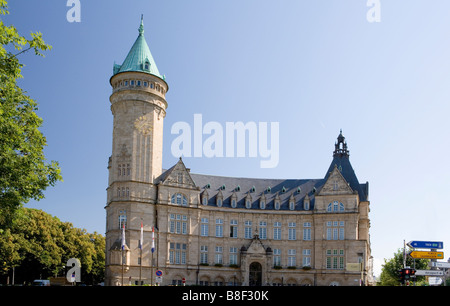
[233,203]
[179,199]
[306,205]
[291,205]
[219,202]
[277,205]
[335,207]
[248,204]
[262,204]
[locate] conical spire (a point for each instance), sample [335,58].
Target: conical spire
[139,58]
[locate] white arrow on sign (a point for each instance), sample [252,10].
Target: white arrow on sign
[440,264]
[429,273]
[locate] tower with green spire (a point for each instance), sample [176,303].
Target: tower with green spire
[138,104]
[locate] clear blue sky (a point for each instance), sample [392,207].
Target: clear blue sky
[313,66]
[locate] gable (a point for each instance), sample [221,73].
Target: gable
[179,176]
[335,184]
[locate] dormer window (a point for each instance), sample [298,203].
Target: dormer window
[277,204]
[262,204]
[291,205]
[248,204]
[233,203]
[146,65]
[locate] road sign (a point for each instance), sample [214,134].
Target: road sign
[427,255]
[440,264]
[159,273]
[158,279]
[426,244]
[429,273]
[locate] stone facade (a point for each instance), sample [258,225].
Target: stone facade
[211,230]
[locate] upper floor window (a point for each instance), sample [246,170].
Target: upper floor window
[248,204]
[335,207]
[335,230]
[179,199]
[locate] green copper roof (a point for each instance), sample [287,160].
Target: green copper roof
[139,58]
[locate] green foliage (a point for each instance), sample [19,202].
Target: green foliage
[389,274]
[39,245]
[24,172]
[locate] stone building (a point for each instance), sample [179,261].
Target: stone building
[211,230]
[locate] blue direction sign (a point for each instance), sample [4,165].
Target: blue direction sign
[426,244]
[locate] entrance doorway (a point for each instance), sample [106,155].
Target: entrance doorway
[255,274]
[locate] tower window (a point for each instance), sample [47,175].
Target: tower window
[122,218]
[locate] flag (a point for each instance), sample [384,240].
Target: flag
[153,239]
[123,236]
[141,243]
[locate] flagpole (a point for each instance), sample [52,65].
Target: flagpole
[123,246]
[153,249]
[141,246]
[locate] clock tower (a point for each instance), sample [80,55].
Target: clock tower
[138,105]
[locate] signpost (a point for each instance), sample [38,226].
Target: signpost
[426,244]
[427,255]
[430,273]
[440,264]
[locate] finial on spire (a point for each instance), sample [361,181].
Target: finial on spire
[340,147]
[141,27]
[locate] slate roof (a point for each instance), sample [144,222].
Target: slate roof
[282,188]
[255,188]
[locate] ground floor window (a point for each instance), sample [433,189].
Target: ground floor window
[335,259]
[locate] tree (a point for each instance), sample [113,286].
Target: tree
[389,273]
[39,245]
[24,171]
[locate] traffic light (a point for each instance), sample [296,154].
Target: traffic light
[406,274]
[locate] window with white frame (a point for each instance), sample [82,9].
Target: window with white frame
[248,230]
[218,258]
[233,256]
[292,231]
[177,253]
[277,230]
[204,227]
[276,257]
[178,224]
[262,230]
[306,230]
[335,230]
[204,254]
[306,257]
[219,227]
[292,257]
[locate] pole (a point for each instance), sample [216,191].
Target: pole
[140,268]
[151,264]
[122,266]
